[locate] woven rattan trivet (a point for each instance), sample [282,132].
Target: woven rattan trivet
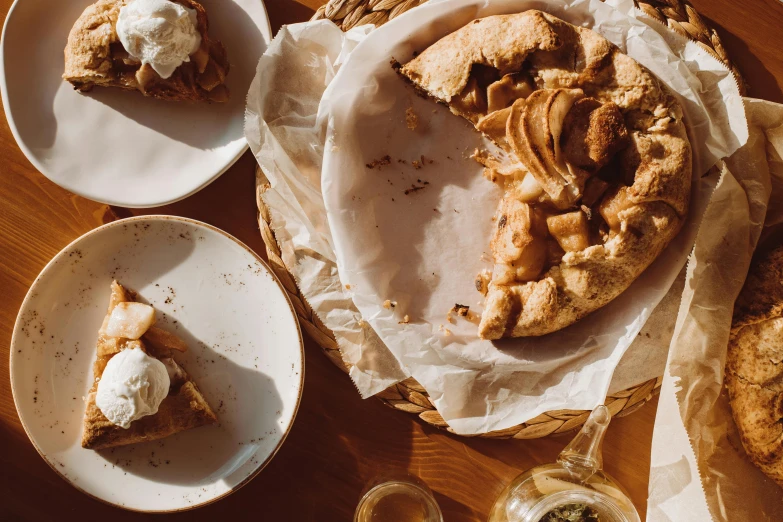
[409,396]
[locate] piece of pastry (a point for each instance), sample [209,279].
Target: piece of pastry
[596,166]
[754,373]
[140,392]
[161,48]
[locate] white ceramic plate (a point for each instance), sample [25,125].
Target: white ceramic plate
[115,146]
[245,354]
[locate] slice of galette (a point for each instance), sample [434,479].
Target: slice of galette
[160,48]
[140,392]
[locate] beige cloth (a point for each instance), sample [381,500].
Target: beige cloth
[699,470]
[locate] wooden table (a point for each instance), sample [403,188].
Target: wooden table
[339,442]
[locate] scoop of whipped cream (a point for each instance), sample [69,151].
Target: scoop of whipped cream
[133,385]
[158,32]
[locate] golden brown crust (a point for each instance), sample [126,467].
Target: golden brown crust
[181,410]
[762,295]
[94,56]
[502,42]
[630,124]
[754,364]
[184,407]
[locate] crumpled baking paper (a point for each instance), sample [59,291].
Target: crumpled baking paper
[699,470]
[427,246]
[286,132]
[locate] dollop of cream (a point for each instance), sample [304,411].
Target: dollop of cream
[133,385]
[160,33]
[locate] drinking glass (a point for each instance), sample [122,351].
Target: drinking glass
[397,498]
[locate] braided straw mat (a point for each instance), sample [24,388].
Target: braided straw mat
[409,396]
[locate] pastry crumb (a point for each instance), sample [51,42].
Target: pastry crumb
[347,287]
[416,164]
[461,310]
[388,304]
[482,281]
[405,320]
[445,330]
[411,119]
[379,162]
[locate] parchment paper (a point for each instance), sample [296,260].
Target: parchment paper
[476,386]
[422,250]
[699,470]
[286,132]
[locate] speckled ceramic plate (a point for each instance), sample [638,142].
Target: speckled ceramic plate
[115,146]
[245,354]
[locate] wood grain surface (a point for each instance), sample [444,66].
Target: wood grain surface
[339,442]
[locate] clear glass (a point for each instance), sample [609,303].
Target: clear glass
[574,480]
[397,498]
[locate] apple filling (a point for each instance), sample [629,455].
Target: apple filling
[561,188]
[207,69]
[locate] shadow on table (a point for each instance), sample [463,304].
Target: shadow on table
[337,444]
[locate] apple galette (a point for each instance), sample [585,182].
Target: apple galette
[594,163]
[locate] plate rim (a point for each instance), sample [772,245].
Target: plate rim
[160,217]
[75,189]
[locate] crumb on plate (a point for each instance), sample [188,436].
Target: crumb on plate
[411,119]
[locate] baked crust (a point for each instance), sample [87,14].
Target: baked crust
[630,127]
[95,56]
[183,408]
[754,373]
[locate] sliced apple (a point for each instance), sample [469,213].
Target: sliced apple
[471,103]
[495,167]
[519,240]
[201,57]
[611,206]
[493,126]
[130,320]
[528,267]
[512,230]
[525,188]
[570,230]
[594,190]
[559,106]
[505,91]
[534,135]
[518,137]
[164,340]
